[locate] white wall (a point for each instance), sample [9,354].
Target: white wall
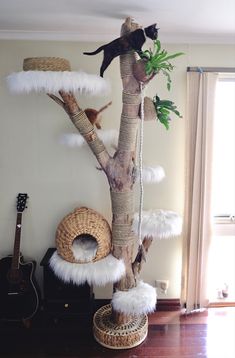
[58,179]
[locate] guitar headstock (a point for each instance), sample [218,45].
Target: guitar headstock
[21,202]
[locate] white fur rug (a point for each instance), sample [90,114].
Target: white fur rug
[138,300]
[159,224]
[99,273]
[76,140]
[53,81]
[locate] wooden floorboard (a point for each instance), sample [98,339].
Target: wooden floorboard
[209,334]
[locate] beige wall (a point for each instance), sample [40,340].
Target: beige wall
[58,178]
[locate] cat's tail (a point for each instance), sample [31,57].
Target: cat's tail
[103,108]
[94,52]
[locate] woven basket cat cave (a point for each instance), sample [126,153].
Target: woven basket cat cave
[83,236]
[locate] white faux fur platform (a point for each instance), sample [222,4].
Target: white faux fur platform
[99,273]
[151,174]
[76,140]
[159,224]
[138,300]
[53,81]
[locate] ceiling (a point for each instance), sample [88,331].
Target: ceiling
[182,21]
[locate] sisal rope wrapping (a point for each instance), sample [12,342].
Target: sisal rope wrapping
[131,98]
[82,123]
[122,202]
[86,129]
[127,134]
[122,234]
[97,146]
[126,64]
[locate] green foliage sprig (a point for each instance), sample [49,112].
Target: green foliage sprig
[157,60]
[163,109]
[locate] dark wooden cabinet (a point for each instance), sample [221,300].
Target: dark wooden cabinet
[64,300]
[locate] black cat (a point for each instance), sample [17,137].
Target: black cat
[131,41]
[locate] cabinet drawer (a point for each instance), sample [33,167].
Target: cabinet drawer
[68,306]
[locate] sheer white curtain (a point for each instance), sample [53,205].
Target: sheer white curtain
[198,218]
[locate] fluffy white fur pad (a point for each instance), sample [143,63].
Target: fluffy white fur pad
[159,224]
[138,300]
[151,174]
[99,273]
[53,81]
[76,140]
[84,249]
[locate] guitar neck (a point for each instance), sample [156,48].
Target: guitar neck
[16,252]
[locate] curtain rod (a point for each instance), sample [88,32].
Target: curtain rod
[211,69]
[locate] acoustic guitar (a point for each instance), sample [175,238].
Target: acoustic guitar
[19,292]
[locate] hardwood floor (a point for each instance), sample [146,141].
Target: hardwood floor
[208,334]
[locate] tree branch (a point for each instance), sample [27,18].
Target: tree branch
[57,100]
[141,256]
[84,126]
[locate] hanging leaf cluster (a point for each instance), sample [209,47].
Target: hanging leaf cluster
[157,60]
[163,109]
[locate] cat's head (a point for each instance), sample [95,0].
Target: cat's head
[151,31]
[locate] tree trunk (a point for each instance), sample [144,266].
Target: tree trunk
[119,169]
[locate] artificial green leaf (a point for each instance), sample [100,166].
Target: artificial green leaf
[158,61]
[167,58]
[148,68]
[163,109]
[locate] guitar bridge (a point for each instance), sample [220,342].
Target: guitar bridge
[13,293]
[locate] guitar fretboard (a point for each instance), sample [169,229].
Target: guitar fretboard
[16,252]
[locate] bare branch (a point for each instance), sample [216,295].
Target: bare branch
[57,100]
[141,255]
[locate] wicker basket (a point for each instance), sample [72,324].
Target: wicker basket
[149,109]
[46,64]
[114,336]
[139,71]
[83,221]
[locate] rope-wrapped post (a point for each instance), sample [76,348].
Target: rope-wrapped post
[123,209]
[86,129]
[122,196]
[123,243]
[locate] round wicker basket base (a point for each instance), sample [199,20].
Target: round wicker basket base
[114,336]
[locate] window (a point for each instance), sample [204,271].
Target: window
[224,149]
[222,250]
